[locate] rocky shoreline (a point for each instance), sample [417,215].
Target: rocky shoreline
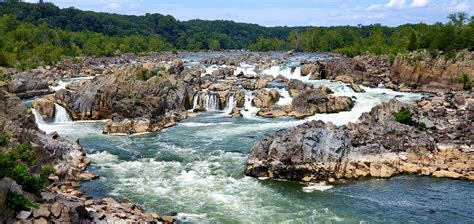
[147,94]
[437,142]
[61,201]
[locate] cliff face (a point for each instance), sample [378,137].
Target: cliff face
[437,141]
[418,70]
[136,99]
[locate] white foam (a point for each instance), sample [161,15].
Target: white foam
[317,187]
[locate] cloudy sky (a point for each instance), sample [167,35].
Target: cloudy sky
[286,12]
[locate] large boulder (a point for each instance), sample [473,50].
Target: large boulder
[45,107]
[310,102]
[265,98]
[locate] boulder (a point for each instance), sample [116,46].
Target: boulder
[265,98]
[45,107]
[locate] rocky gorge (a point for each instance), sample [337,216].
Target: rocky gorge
[165,94]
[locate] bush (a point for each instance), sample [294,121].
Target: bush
[136,101]
[5,77]
[421,127]
[15,164]
[466,81]
[4,138]
[404,116]
[16,201]
[142,74]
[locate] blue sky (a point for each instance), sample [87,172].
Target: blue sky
[286,12]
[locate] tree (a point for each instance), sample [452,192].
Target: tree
[413,45]
[214,45]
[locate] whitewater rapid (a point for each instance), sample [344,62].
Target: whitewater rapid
[195,168]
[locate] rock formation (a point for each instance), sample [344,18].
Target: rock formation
[437,141]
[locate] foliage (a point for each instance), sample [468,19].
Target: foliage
[15,164]
[4,138]
[36,34]
[404,116]
[136,101]
[466,81]
[421,127]
[17,201]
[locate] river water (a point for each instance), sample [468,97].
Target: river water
[196,169]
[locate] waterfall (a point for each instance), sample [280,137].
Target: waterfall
[61,115]
[230,104]
[195,102]
[212,101]
[249,111]
[39,119]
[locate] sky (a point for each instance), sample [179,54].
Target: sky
[286,12]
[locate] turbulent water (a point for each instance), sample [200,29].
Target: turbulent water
[196,169]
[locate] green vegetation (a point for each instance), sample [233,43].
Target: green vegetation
[36,34]
[17,201]
[145,74]
[404,116]
[136,101]
[421,127]
[4,138]
[15,164]
[466,81]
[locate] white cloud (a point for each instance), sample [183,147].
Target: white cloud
[112,7]
[344,5]
[419,3]
[396,4]
[375,7]
[459,7]
[135,5]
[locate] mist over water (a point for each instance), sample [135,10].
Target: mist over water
[196,169]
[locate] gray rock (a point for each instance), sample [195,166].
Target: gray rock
[23,215]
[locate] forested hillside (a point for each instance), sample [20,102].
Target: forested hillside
[34,34]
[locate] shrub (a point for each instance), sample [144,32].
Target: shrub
[175,52]
[421,127]
[15,164]
[5,77]
[404,116]
[17,201]
[136,101]
[142,74]
[465,81]
[4,138]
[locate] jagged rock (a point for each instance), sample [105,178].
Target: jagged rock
[265,98]
[42,211]
[22,215]
[45,107]
[448,174]
[41,221]
[56,209]
[376,145]
[308,69]
[27,85]
[310,102]
[296,86]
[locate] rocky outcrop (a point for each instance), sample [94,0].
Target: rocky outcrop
[265,98]
[27,85]
[415,71]
[309,102]
[419,71]
[44,106]
[437,141]
[61,201]
[133,96]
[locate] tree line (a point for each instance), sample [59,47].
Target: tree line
[35,34]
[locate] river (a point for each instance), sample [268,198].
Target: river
[196,169]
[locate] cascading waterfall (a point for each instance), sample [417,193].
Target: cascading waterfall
[39,119]
[249,111]
[212,101]
[61,115]
[230,104]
